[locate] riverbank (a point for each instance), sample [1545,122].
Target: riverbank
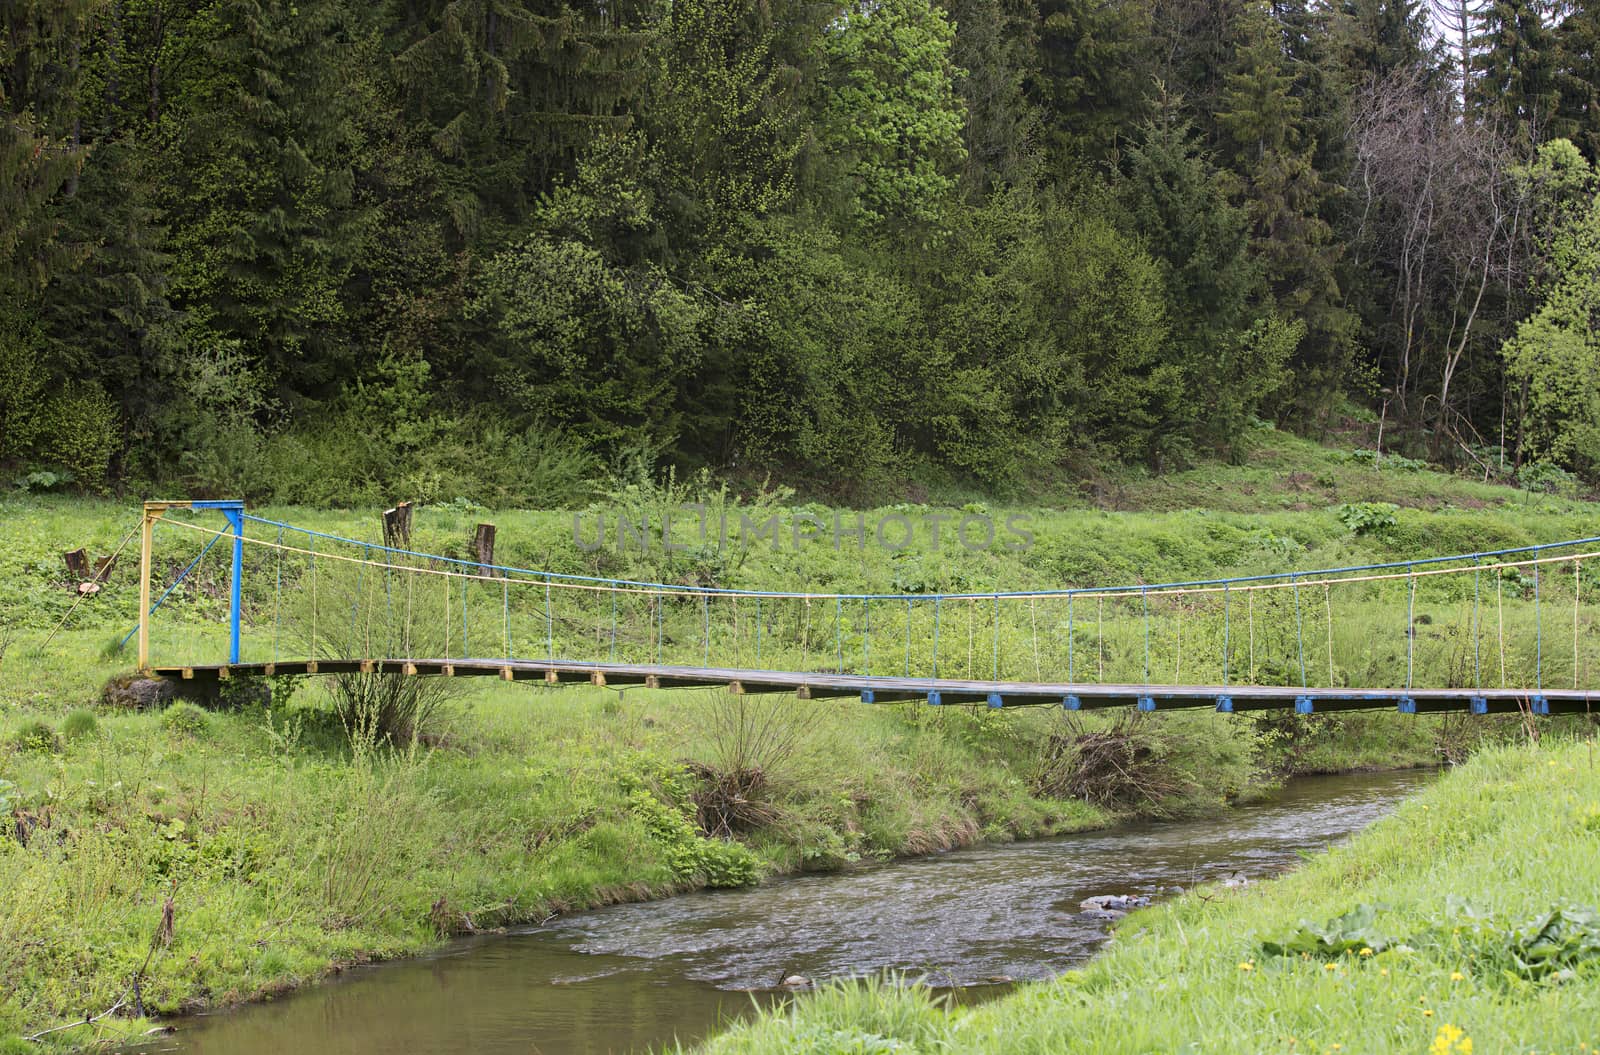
[220,857]
[1438,929]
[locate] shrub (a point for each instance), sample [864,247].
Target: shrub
[1547,479]
[391,708]
[80,725]
[38,737]
[185,718]
[1115,766]
[1363,518]
[76,429]
[750,742]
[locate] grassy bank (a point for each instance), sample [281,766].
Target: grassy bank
[219,856]
[1465,922]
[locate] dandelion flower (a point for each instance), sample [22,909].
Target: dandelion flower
[1330,967]
[1247,966]
[1450,1040]
[1427,1012]
[1457,976]
[1366,951]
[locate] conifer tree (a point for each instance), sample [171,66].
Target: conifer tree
[1516,67]
[1284,196]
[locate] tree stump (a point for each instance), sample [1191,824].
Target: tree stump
[397,526]
[78,564]
[483,547]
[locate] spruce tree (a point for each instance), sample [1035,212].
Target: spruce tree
[1284,197]
[1516,63]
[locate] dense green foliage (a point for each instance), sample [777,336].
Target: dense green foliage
[329,250]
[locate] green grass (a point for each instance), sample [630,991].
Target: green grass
[286,849]
[1458,880]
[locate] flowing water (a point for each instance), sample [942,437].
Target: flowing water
[632,977]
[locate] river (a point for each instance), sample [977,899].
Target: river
[633,977]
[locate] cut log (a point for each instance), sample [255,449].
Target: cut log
[483,548]
[78,564]
[103,567]
[397,526]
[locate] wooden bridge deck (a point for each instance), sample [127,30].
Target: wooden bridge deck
[884,689]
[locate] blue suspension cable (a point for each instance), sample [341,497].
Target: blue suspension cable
[1145,597]
[1538,633]
[866,636]
[1227,631]
[838,634]
[355,602]
[1070,656]
[1125,589]
[277,600]
[908,637]
[996,637]
[175,582]
[1411,630]
[1299,631]
[1477,629]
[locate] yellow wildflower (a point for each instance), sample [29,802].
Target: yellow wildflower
[1247,966]
[1457,976]
[1330,967]
[1366,951]
[1450,1040]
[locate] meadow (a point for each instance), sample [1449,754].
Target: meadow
[180,857]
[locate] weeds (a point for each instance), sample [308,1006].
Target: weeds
[750,743]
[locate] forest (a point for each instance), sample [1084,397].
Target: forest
[330,250]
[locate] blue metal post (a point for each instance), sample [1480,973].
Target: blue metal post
[235,581]
[234,511]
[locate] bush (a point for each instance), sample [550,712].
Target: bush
[1363,518]
[750,741]
[1116,766]
[391,708]
[80,725]
[76,429]
[1548,479]
[185,718]
[36,737]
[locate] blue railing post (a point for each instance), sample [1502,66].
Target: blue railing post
[234,511]
[235,581]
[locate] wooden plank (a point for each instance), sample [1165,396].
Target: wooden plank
[814,685]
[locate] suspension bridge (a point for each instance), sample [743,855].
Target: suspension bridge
[1499,631]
